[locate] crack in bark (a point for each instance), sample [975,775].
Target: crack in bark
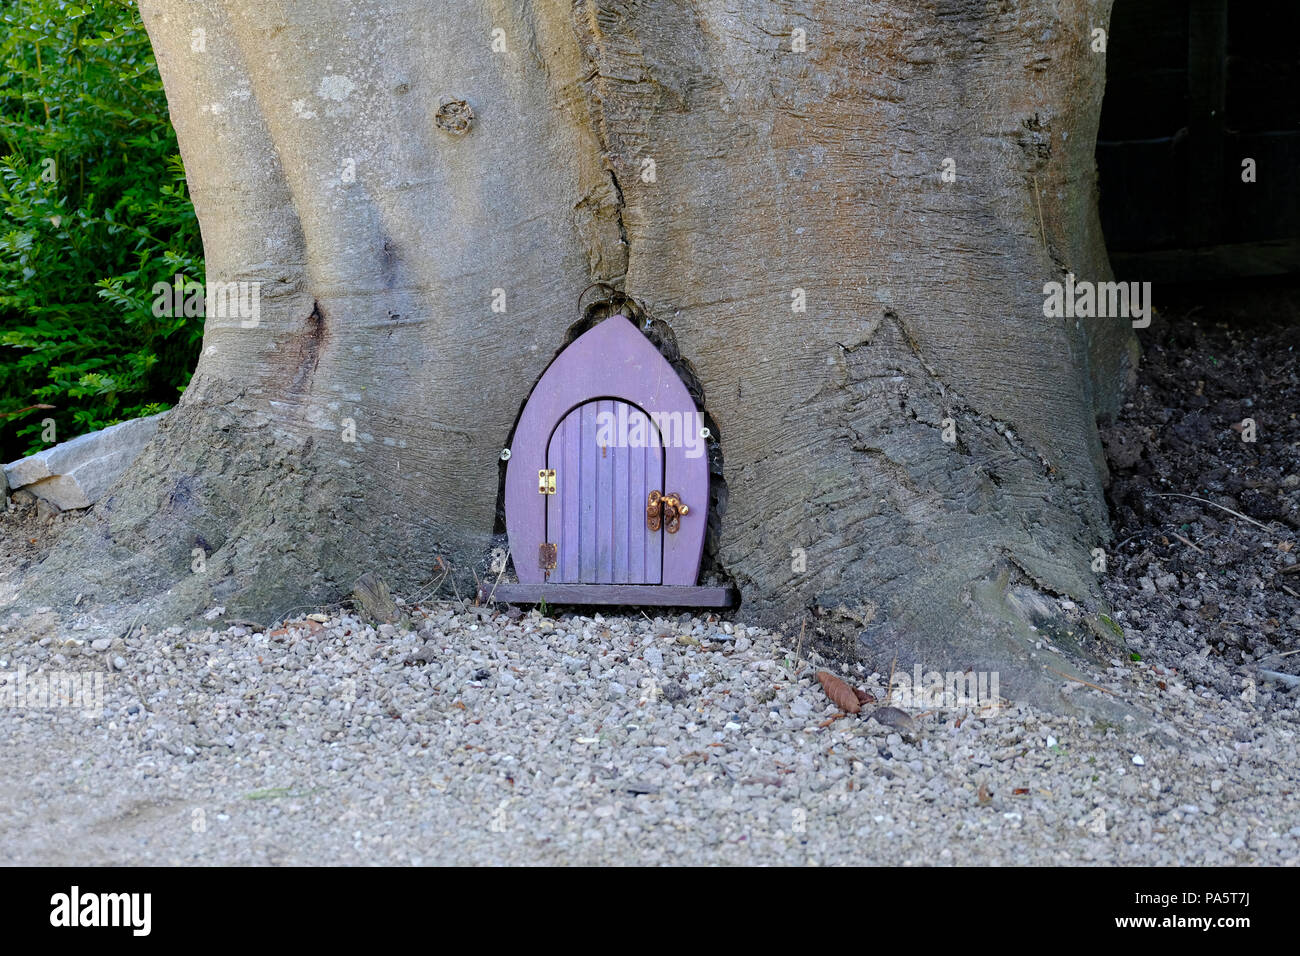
[309,348]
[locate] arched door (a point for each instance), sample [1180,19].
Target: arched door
[608,459]
[612,518]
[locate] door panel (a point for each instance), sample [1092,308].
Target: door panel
[596,518]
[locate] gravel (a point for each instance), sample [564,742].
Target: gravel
[484,737]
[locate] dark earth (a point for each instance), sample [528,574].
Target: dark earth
[1192,580]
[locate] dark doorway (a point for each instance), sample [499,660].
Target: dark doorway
[1194,90]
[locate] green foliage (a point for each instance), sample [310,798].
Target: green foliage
[95,211]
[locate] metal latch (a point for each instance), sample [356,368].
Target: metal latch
[665,510]
[546,481]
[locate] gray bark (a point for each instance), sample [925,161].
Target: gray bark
[775,170]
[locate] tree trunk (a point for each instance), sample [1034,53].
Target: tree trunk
[715,165]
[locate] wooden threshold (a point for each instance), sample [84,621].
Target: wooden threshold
[661,595]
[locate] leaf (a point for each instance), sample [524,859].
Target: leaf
[864,697]
[840,693]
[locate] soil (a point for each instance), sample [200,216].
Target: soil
[1214,577]
[26,535]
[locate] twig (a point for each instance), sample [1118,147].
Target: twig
[1188,543]
[1289,679]
[504,562]
[29,408]
[1080,680]
[1238,514]
[1131,538]
[889,688]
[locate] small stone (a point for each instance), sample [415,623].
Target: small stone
[74,474]
[893,717]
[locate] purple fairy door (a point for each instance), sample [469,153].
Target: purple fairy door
[607,481]
[606,468]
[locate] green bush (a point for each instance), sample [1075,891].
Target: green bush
[95,212]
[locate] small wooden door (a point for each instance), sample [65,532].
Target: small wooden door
[576,513]
[597,517]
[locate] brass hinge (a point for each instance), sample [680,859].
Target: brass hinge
[546,481]
[546,555]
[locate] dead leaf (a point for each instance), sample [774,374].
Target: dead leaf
[864,697]
[985,798]
[1020,791]
[840,693]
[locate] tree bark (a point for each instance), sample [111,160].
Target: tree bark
[321,166]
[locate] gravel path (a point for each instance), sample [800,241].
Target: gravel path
[482,736]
